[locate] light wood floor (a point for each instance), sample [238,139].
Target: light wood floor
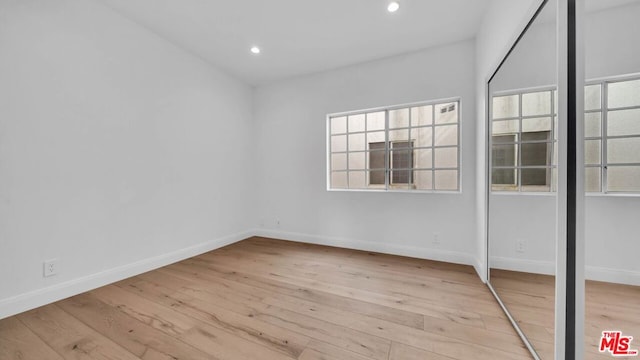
[530,299]
[264,299]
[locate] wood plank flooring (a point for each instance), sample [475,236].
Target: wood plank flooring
[530,299]
[270,299]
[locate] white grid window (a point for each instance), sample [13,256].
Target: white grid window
[612,136]
[524,157]
[412,147]
[523,141]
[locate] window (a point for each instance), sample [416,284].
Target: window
[612,136]
[523,141]
[400,148]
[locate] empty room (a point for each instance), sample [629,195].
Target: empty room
[317,180]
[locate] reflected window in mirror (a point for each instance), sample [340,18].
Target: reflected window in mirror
[523,141]
[612,135]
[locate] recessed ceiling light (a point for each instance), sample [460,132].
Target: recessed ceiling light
[255,50]
[393,6]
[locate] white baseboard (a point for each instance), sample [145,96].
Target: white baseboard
[613,275]
[618,276]
[33,299]
[386,248]
[523,265]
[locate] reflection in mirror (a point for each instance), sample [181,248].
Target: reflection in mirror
[612,172]
[522,178]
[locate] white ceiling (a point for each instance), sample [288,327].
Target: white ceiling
[302,36]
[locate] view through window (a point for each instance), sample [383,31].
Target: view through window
[523,127]
[398,148]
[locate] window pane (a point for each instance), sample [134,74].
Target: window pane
[592,152]
[503,177]
[538,103]
[401,156]
[376,177]
[400,159]
[423,180]
[592,97]
[375,137]
[399,177]
[623,122]
[446,157]
[446,179]
[422,115]
[592,179]
[356,142]
[537,154]
[376,160]
[399,118]
[338,143]
[338,161]
[505,127]
[357,161]
[506,107]
[422,136]
[339,125]
[503,139]
[536,124]
[504,155]
[536,136]
[623,178]
[536,177]
[621,151]
[339,180]
[423,159]
[624,93]
[446,113]
[356,123]
[399,135]
[357,180]
[593,124]
[375,121]
[446,135]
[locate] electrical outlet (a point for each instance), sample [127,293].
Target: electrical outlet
[51,267]
[521,245]
[436,238]
[278,223]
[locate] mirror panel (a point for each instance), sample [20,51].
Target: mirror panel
[522,199]
[612,173]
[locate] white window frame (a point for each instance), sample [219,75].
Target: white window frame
[552,166]
[388,186]
[603,138]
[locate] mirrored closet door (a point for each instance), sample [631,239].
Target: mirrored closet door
[522,128]
[612,169]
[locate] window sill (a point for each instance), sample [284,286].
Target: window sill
[402,191]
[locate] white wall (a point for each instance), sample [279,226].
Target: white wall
[291,141]
[502,23]
[118,151]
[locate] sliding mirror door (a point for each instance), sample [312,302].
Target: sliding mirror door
[612,169]
[522,182]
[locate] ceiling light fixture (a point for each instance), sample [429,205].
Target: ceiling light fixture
[255,50]
[393,6]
